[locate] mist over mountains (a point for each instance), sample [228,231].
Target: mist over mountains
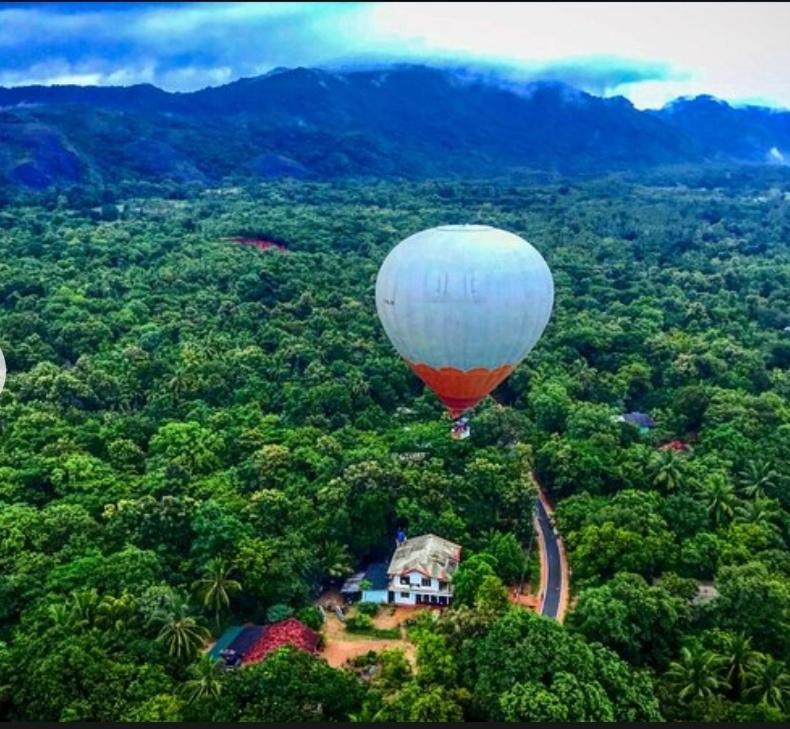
[400,121]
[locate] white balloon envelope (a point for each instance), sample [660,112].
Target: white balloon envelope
[463,305]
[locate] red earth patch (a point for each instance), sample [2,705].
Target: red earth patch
[259,243]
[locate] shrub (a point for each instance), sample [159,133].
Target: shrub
[368,608]
[360,623]
[310,616]
[279,612]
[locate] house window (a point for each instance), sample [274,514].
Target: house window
[443,585]
[404,580]
[426,581]
[405,595]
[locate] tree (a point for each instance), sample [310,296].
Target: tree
[522,648]
[642,623]
[335,559]
[666,470]
[469,577]
[509,555]
[741,662]
[491,597]
[180,631]
[697,675]
[205,680]
[720,497]
[769,683]
[757,479]
[215,588]
[755,601]
[288,686]
[760,511]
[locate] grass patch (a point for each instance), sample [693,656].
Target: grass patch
[363,625]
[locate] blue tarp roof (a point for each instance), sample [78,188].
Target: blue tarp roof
[224,641]
[643,420]
[376,574]
[247,638]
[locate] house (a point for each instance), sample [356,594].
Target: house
[421,569]
[369,585]
[641,420]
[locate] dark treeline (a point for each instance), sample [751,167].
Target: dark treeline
[185,417]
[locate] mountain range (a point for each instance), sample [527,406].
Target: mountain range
[399,121]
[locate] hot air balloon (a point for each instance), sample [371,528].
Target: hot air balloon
[463,305]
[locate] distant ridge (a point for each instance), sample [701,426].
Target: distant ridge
[398,121]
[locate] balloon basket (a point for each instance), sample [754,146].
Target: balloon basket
[460,429]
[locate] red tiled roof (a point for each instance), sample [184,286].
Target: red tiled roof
[286,632]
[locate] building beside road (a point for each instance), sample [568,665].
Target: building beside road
[420,572]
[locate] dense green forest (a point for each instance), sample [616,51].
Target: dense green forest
[184,412]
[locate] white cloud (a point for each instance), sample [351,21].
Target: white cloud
[738,51]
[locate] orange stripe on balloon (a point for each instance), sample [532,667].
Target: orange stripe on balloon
[460,390]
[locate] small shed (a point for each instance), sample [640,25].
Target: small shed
[374,579]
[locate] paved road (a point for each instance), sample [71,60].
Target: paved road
[551,603]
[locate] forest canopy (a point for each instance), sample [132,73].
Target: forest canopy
[184,411]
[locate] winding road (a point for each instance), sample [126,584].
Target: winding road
[554,573]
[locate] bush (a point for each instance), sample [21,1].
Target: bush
[363,624]
[279,612]
[360,623]
[310,616]
[368,608]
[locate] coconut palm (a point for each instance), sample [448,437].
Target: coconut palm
[769,684]
[205,681]
[666,470]
[760,511]
[757,479]
[335,559]
[76,613]
[720,497]
[215,588]
[179,631]
[741,660]
[697,675]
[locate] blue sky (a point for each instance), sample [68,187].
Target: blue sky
[649,52]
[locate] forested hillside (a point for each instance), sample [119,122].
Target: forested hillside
[181,408]
[398,121]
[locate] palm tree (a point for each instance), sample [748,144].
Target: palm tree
[75,614]
[697,675]
[666,470]
[757,479]
[761,511]
[741,660]
[206,681]
[215,588]
[770,683]
[720,496]
[335,559]
[181,632]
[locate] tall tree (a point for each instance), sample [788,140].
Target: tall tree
[697,675]
[179,630]
[215,588]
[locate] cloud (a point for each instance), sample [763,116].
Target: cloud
[649,52]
